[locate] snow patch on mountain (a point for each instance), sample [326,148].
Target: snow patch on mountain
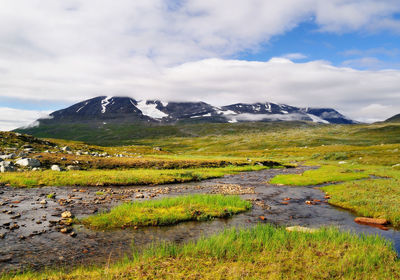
[104,104]
[317,119]
[150,110]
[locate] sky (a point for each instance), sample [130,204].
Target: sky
[343,54]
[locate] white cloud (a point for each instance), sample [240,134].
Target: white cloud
[295,56]
[12,118]
[74,49]
[374,112]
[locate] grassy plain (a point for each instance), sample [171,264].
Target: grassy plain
[168,211]
[262,252]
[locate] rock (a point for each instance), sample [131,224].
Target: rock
[66,214]
[65,230]
[73,167]
[9,156]
[139,195]
[16,216]
[14,226]
[301,229]
[7,166]
[2,235]
[36,169]
[43,201]
[373,221]
[72,234]
[55,167]
[66,149]
[5,259]
[28,162]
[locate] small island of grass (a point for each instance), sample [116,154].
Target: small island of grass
[168,211]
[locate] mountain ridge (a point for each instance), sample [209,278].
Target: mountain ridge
[126,109]
[395,118]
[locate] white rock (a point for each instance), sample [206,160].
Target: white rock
[6,166]
[28,162]
[9,156]
[66,149]
[55,167]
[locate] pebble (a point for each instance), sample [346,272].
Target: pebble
[66,214]
[14,226]
[43,201]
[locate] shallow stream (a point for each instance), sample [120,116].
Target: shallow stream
[36,244]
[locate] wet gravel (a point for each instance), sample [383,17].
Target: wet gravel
[31,235]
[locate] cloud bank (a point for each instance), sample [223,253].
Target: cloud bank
[74,49]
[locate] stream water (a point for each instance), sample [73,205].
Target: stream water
[34,243]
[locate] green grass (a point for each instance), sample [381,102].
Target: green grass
[117,177]
[371,198]
[325,174]
[262,252]
[168,211]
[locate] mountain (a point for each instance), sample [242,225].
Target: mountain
[395,118]
[120,120]
[104,109]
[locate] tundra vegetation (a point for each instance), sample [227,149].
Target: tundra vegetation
[362,160]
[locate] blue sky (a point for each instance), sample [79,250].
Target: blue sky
[343,54]
[341,49]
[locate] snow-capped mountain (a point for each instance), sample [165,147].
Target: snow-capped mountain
[126,109]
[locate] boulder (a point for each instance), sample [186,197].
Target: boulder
[28,162]
[55,167]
